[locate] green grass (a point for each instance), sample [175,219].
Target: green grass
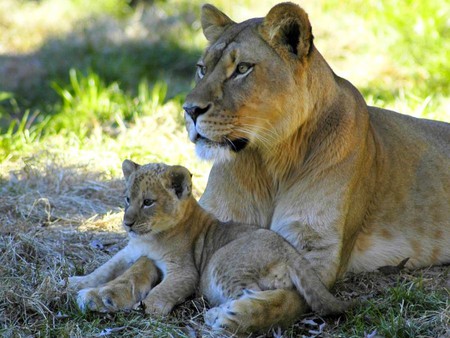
[89,104]
[84,85]
[88,107]
[403,309]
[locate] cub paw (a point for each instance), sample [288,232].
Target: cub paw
[90,300]
[157,307]
[76,283]
[222,318]
[105,299]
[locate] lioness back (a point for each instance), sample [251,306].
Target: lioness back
[413,132]
[418,227]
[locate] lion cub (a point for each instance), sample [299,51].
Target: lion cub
[252,276]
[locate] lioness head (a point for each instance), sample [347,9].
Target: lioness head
[251,82]
[155,197]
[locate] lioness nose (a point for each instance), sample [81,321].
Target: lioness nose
[129,224]
[195,111]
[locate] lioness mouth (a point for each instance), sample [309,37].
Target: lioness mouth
[235,145]
[238,144]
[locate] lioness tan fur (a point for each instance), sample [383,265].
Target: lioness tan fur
[252,277]
[297,150]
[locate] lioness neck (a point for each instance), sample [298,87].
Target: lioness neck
[321,120]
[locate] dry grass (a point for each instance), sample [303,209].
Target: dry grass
[42,205]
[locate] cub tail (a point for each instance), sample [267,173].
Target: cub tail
[314,291]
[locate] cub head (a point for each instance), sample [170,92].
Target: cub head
[155,197]
[251,82]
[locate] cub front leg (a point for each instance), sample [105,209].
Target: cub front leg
[103,274]
[179,282]
[122,293]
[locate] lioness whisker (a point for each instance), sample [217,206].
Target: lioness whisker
[266,137]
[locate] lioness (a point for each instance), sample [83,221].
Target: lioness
[191,247]
[297,149]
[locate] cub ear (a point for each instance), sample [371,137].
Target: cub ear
[178,180]
[288,30]
[129,167]
[214,22]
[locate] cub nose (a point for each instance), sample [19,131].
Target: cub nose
[195,111]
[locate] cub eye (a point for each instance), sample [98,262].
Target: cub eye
[201,70]
[243,67]
[148,203]
[127,201]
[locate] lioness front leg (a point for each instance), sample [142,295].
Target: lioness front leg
[179,282]
[323,253]
[122,293]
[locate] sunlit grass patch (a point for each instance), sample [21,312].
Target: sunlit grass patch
[90,106]
[395,52]
[26,24]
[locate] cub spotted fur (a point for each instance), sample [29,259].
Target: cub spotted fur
[252,277]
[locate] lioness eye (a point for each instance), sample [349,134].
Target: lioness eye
[148,202]
[127,201]
[244,67]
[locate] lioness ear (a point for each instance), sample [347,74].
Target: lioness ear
[214,22]
[178,180]
[288,30]
[129,167]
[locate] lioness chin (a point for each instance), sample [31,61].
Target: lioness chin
[254,278]
[297,150]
